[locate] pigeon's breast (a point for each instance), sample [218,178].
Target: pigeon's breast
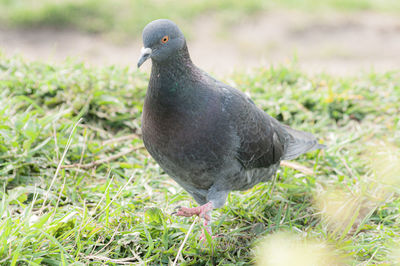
[192,144]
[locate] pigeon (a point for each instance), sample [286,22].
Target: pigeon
[206,135]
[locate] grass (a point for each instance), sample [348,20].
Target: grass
[119,211]
[124,18]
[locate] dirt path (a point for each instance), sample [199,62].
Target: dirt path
[336,43]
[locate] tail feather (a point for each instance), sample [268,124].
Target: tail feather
[299,142]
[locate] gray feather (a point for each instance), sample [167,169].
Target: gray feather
[299,142]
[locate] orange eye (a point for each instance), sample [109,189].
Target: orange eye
[165,39]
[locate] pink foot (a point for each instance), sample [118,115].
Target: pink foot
[200,211]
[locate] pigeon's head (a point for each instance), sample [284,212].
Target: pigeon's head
[161,39]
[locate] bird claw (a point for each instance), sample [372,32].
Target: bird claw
[200,211]
[176,210]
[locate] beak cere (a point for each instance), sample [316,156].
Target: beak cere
[145,54]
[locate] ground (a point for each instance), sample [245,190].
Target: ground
[78,186]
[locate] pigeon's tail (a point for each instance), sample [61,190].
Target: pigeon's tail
[299,142]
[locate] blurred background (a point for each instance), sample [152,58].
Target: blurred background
[334,36]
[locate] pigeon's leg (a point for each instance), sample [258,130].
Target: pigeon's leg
[206,227]
[217,196]
[203,211]
[216,199]
[200,211]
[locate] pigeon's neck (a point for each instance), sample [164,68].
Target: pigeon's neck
[182,57]
[173,68]
[173,78]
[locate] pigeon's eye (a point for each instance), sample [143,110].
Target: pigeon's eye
[165,39]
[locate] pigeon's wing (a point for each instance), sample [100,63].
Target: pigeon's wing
[262,139]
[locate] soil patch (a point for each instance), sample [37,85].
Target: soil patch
[335,43]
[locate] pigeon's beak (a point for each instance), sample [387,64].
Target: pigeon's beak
[145,54]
